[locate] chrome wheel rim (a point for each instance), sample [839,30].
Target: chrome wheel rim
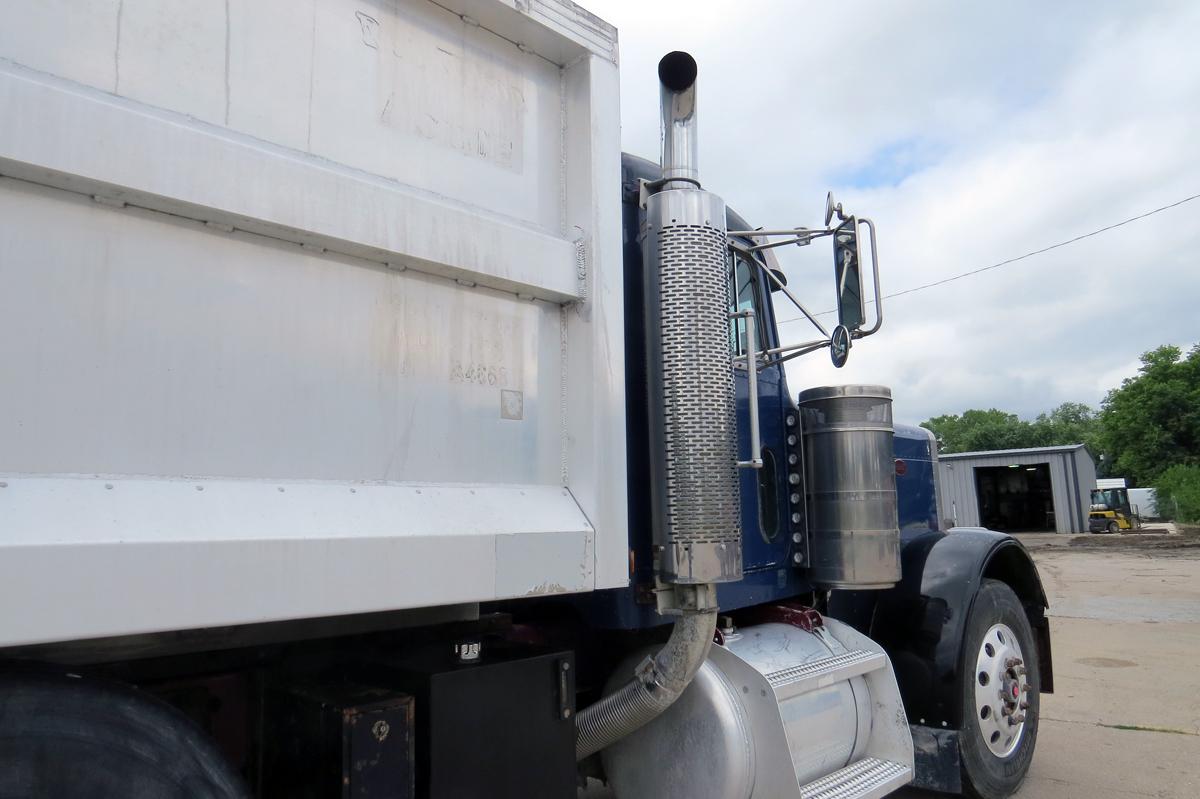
[1001,690]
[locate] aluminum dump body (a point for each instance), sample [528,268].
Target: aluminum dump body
[307,308]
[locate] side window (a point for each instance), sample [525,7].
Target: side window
[743,294]
[768,497]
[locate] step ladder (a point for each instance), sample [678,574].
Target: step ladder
[869,778]
[817,674]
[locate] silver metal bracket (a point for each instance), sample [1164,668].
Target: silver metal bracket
[799,236]
[678,599]
[648,187]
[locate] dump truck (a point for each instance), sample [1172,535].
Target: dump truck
[371,426]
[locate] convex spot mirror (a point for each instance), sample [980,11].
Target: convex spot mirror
[779,282]
[847,266]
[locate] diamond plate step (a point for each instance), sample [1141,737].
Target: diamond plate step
[869,778]
[816,674]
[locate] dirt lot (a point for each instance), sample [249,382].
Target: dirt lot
[1125,720]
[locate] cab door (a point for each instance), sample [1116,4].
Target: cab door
[763,491]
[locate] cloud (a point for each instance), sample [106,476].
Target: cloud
[970,133]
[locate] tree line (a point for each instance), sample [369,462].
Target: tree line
[1147,429]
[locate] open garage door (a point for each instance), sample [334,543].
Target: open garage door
[1016,498]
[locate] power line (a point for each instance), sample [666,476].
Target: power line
[952,278]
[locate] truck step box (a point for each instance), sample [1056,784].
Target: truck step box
[869,778]
[791,713]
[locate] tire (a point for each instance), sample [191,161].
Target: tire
[62,736]
[1113,528]
[994,767]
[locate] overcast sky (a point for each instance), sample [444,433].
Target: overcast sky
[970,133]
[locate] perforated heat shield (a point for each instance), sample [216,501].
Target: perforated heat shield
[693,427]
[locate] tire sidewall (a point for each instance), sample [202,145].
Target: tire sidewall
[70,736]
[985,775]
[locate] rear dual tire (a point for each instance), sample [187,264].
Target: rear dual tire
[63,736]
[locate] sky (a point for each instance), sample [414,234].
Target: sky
[970,133]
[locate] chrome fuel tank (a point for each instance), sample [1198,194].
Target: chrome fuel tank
[777,712]
[850,477]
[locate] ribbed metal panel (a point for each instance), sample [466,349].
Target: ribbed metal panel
[816,674]
[866,779]
[699,503]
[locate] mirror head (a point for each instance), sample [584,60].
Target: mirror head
[832,209]
[847,267]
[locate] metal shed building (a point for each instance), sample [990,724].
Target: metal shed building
[1046,489]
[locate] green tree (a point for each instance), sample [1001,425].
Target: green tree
[1069,423]
[977,430]
[1177,493]
[1152,421]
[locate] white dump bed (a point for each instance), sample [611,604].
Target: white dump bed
[307,308]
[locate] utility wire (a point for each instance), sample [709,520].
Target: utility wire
[952,278]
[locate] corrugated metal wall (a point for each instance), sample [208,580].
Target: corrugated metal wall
[1072,477]
[1086,468]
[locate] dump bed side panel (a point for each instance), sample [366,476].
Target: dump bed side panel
[309,308]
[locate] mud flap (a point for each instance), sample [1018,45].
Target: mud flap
[938,766]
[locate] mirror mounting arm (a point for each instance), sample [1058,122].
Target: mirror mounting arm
[779,284]
[799,236]
[849,267]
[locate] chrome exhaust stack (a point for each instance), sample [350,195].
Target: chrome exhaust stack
[693,429]
[697,520]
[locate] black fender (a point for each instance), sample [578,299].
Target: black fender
[921,621]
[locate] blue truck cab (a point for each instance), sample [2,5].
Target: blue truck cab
[926,622]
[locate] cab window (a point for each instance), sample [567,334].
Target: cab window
[744,278]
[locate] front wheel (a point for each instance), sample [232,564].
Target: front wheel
[1114,528]
[1000,694]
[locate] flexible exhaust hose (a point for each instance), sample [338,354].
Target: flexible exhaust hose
[656,685]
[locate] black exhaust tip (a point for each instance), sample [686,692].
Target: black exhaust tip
[677,70]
